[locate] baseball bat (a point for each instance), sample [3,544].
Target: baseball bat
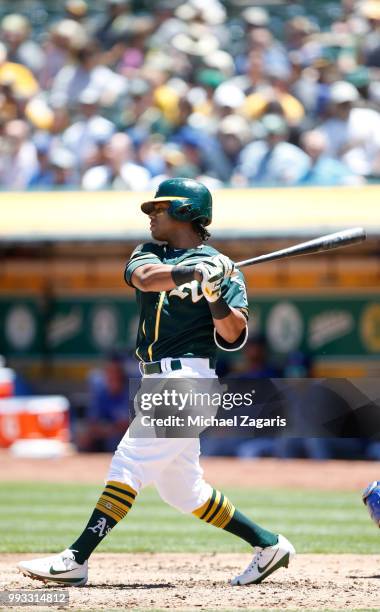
[324,243]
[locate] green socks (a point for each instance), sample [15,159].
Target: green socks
[113,505]
[220,512]
[117,499]
[241,526]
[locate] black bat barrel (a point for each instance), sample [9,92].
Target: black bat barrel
[324,243]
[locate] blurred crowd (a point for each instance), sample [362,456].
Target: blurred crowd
[121,95]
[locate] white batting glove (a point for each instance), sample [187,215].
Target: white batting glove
[226,263]
[212,278]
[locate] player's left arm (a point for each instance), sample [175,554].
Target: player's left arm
[231,331]
[224,289]
[231,328]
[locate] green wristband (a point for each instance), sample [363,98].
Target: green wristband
[219,309]
[183,274]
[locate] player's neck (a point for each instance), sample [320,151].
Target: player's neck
[185,240]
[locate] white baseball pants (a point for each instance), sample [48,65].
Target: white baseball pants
[170,464]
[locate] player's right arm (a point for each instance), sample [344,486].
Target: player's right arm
[146,272]
[153,277]
[160,277]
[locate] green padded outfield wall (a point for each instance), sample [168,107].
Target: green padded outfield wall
[84,327]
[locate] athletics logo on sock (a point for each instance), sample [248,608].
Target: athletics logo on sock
[101,526]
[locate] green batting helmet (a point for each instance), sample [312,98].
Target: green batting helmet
[188,200]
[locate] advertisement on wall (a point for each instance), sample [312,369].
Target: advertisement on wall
[87,326]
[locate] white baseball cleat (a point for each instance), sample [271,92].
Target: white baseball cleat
[265,561]
[61,568]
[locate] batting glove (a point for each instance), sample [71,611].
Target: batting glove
[226,263]
[212,278]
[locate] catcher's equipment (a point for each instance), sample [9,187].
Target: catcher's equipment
[188,200]
[371,498]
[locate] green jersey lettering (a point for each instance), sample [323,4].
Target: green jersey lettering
[178,323]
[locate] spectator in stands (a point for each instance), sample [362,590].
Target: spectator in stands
[107,415]
[120,170]
[353,132]
[233,134]
[56,168]
[272,160]
[310,84]
[140,114]
[86,72]
[107,24]
[62,163]
[228,98]
[9,104]
[172,161]
[18,159]
[16,75]
[298,36]
[262,41]
[275,97]
[63,37]
[43,176]
[76,10]
[98,155]
[132,53]
[15,32]
[83,135]
[370,11]
[324,170]
[254,75]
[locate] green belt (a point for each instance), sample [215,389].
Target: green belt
[154,367]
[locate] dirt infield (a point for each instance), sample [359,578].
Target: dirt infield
[201,582]
[325,475]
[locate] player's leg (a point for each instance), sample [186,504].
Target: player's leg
[135,464]
[272,551]
[71,566]
[182,485]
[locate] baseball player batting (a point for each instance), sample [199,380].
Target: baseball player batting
[191,299]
